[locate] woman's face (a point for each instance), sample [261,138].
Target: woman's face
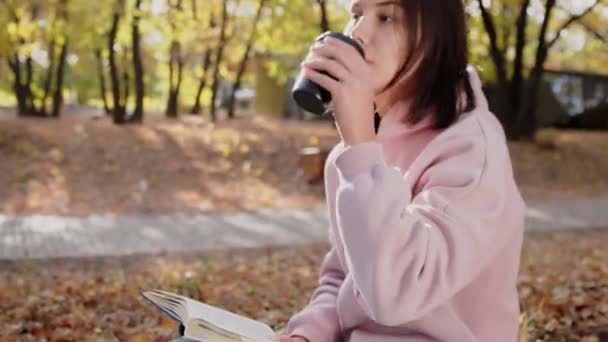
[378,26]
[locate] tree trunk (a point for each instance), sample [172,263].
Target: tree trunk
[126,80]
[18,88]
[172,101]
[497,57]
[58,93]
[22,90]
[515,90]
[102,81]
[29,75]
[180,73]
[138,67]
[526,121]
[244,59]
[175,62]
[196,109]
[118,111]
[218,59]
[505,116]
[324,23]
[49,79]
[194,10]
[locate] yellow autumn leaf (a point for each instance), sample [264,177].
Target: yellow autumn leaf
[56,155]
[247,166]
[141,337]
[12,29]
[236,139]
[244,149]
[224,150]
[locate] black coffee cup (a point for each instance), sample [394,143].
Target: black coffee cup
[308,94]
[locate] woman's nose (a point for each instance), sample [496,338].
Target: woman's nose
[361,32]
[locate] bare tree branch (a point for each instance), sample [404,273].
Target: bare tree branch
[506,36]
[518,67]
[602,36]
[324,23]
[573,18]
[599,35]
[497,56]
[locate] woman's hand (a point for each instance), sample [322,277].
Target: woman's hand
[352,92]
[290,339]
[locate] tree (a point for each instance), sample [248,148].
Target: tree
[58,93]
[23,38]
[207,56]
[218,57]
[176,61]
[324,22]
[286,34]
[196,108]
[99,50]
[518,110]
[102,80]
[119,106]
[138,67]
[244,59]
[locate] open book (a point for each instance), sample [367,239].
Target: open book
[202,322]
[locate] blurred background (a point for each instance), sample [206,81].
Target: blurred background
[154,144]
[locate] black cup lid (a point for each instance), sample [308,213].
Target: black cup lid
[343,38]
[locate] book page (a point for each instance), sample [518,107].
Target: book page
[226,320]
[174,310]
[202,330]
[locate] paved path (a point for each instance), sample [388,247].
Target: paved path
[55,236]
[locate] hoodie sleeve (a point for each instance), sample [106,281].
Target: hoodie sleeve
[318,321]
[409,255]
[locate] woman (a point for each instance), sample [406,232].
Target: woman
[426,219]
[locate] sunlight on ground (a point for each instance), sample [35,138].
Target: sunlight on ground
[83,165]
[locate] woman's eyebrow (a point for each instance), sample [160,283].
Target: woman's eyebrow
[388,3]
[357,4]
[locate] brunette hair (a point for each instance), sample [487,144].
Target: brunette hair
[435,66]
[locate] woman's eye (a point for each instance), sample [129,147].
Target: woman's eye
[386,19]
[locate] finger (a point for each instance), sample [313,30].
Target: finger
[331,52]
[348,52]
[330,66]
[321,79]
[313,47]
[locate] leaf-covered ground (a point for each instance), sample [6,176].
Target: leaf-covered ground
[563,290]
[78,166]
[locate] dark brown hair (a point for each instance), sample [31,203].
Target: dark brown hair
[435,63]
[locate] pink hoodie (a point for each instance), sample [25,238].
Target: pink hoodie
[426,233]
